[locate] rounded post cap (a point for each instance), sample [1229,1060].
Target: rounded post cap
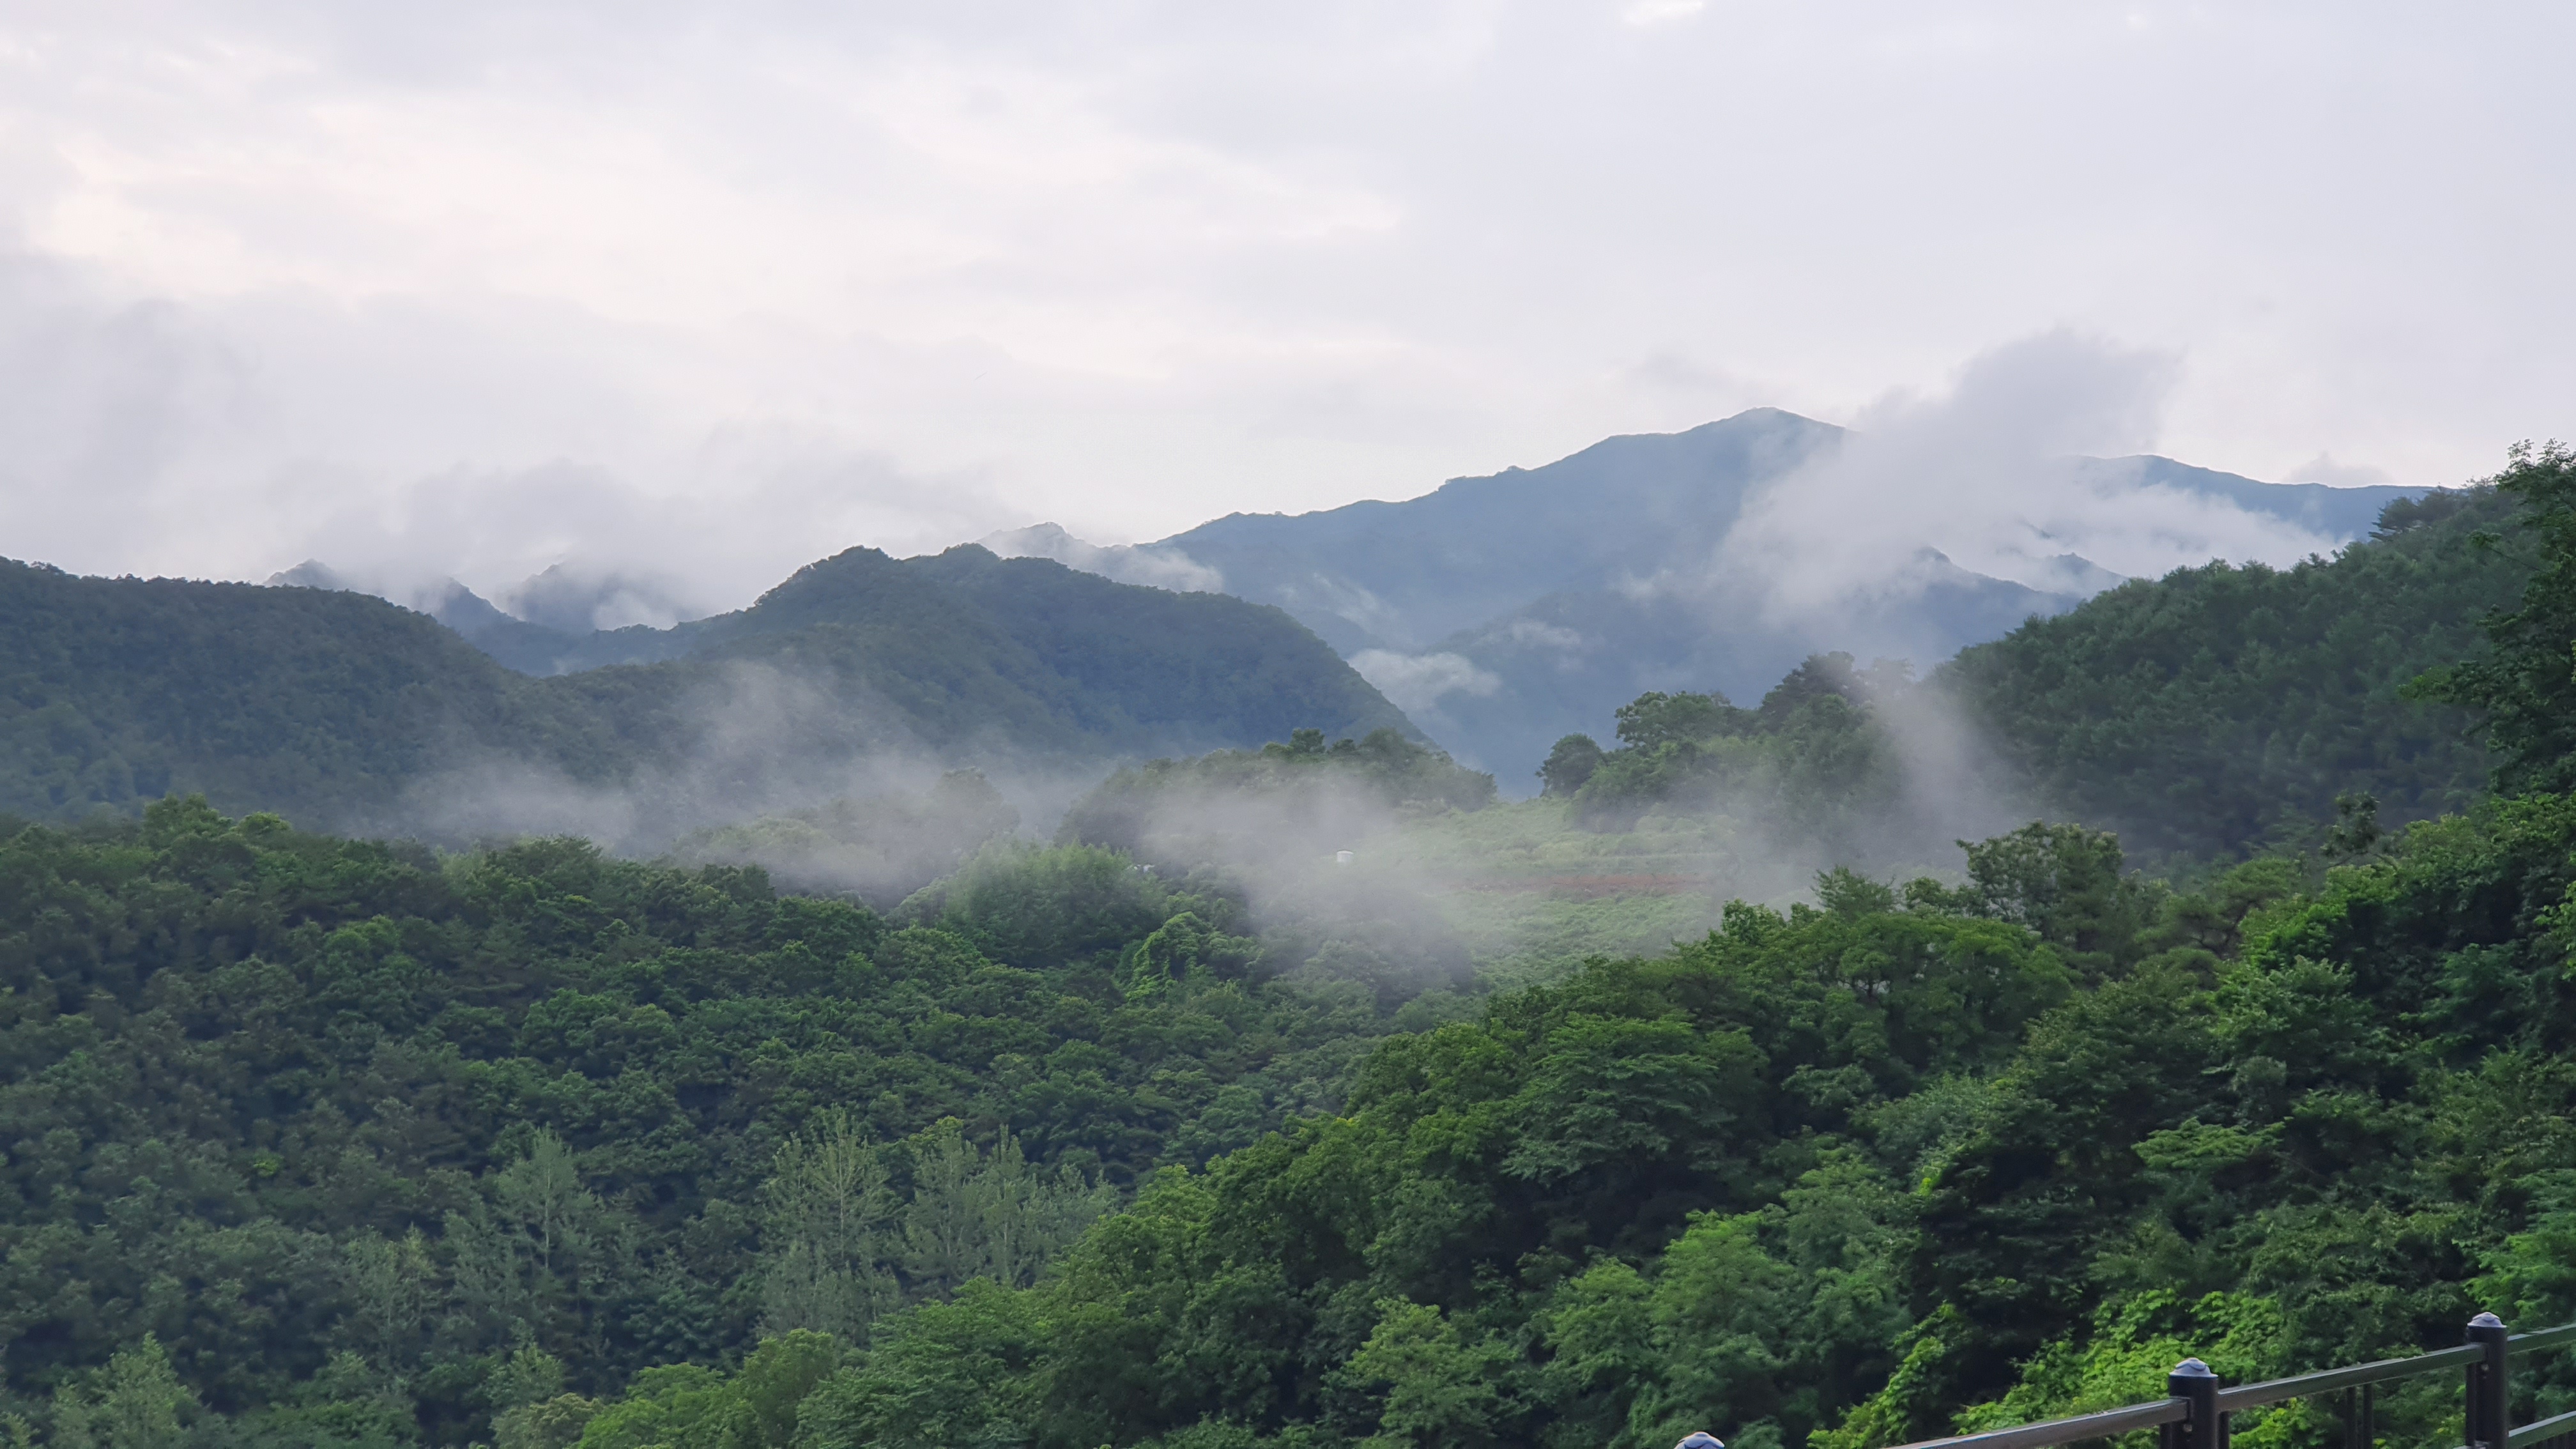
[1701,1439]
[2486,1320]
[2191,1368]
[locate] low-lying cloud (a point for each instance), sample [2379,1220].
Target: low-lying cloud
[1158,566]
[2000,475]
[1415,682]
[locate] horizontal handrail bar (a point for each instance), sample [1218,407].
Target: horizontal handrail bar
[2542,1429]
[2273,1391]
[2067,1431]
[2112,1422]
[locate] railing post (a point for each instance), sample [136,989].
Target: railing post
[2203,1427]
[2490,1407]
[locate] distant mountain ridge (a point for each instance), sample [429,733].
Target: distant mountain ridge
[344,711]
[1503,611]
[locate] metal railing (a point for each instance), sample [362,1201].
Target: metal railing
[2194,1412]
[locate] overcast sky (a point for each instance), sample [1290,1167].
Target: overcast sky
[473,287]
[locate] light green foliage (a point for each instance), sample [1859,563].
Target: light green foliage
[1437,1386]
[1183,953]
[953,1373]
[685,1406]
[988,1214]
[134,1402]
[2065,883]
[532,1410]
[2135,1341]
[1036,907]
[828,1201]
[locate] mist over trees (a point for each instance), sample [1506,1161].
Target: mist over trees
[1194,1127]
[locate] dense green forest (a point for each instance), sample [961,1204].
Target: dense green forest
[339,1126]
[2205,710]
[342,711]
[318,1142]
[1911,1157]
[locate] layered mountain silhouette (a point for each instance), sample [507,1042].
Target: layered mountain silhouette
[1494,613]
[1503,611]
[342,710]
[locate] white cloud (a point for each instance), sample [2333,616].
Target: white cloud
[2323,468]
[1643,13]
[1420,681]
[1544,635]
[1159,567]
[1989,474]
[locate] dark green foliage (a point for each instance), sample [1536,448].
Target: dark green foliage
[1569,765]
[1651,721]
[1038,908]
[268,1097]
[2064,882]
[2523,689]
[1192,670]
[1814,765]
[2434,507]
[1042,656]
[2201,715]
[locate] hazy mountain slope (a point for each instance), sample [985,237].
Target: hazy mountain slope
[1138,668]
[523,646]
[1178,662]
[340,709]
[1501,612]
[1471,552]
[526,647]
[317,702]
[1401,575]
[2338,513]
[1561,665]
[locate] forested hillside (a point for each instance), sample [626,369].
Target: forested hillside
[340,710]
[2203,710]
[1917,1156]
[118,691]
[314,1142]
[338,1128]
[1144,666]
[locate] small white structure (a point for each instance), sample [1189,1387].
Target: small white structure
[1341,857]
